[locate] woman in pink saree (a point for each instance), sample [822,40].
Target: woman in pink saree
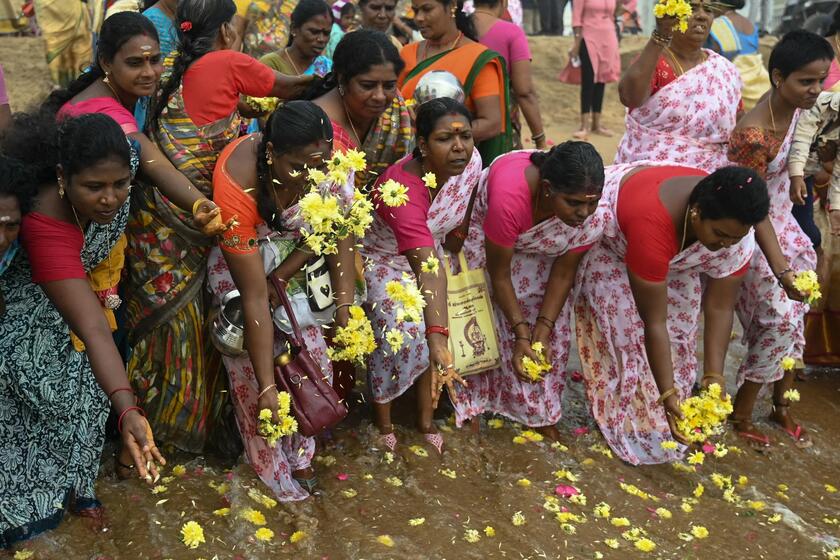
[535,216]
[642,293]
[682,100]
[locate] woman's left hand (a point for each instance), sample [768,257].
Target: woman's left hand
[208,218]
[541,334]
[787,280]
[443,373]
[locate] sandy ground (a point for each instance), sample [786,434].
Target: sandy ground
[786,506]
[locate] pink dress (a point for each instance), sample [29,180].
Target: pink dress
[774,325]
[421,225]
[597,20]
[833,76]
[619,384]
[502,213]
[508,40]
[688,121]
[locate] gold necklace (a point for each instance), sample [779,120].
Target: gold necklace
[685,229]
[352,126]
[452,46]
[108,83]
[677,62]
[292,62]
[112,301]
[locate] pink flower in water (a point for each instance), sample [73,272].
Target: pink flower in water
[582,431]
[708,448]
[229,476]
[342,476]
[566,491]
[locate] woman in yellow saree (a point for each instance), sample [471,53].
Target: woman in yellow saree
[449,44]
[65,25]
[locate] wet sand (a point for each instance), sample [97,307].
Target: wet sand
[360,502]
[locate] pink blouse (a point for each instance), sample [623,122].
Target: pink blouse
[106,105]
[508,40]
[408,221]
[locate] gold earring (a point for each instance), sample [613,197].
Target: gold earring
[268,158]
[105,79]
[61,188]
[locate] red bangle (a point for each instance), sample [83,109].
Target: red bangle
[115,391]
[122,415]
[434,329]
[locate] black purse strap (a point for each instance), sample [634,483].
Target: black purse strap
[295,339]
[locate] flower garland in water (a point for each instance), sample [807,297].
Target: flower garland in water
[286,425]
[329,210]
[536,369]
[355,341]
[679,9]
[808,283]
[704,415]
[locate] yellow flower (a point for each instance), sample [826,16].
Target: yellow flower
[807,283]
[645,545]
[252,515]
[416,521]
[192,534]
[395,340]
[349,493]
[496,423]
[568,528]
[788,363]
[699,532]
[519,439]
[261,498]
[743,480]
[679,9]
[567,516]
[24,554]
[179,470]
[285,426]
[419,451]
[394,481]
[721,481]
[598,448]
[536,369]
[490,531]
[578,499]
[222,512]
[355,341]
[729,495]
[385,540]
[602,510]
[430,265]
[472,536]
[518,519]
[430,180]
[448,473]
[664,513]
[775,518]
[297,536]
[757,505]
[560,447]
[686,507]
[668,445]
[792,395]
[393,194]
[833,554]
[612,543]
[316,176]
[564,474]
[263,534]
[720,450]
[159,489]
[524,482]
[620,522]
[696,458]
[356,160]
[830,489]
[698,491]
[680,467]
[704,415]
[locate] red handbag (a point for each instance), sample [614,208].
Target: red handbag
[570,74]
[314,402]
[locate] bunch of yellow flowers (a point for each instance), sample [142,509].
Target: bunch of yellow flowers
[328,213]
[262,104]
[536,369]
[355,341]
[408,298]
[808,283]
[286,424]
[679,9]
[704,415]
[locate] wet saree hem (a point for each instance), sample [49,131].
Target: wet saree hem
[32,529]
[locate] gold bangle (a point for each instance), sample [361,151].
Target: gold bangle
[665,395]
[714,376]
[198,203]
[824,185]
[266,390]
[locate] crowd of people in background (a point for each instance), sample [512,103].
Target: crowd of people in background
[167,170]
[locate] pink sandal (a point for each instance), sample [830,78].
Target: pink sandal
[389,440]
[436,440]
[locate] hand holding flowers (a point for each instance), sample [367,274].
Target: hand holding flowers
[275,419]
[676,11]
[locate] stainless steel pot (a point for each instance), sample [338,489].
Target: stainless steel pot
[228,332]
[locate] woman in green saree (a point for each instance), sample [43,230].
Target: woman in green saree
[450,44]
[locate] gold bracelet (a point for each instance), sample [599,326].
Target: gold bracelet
[665,395]
[714,376]
[198,203]
[266,390]
[824,185]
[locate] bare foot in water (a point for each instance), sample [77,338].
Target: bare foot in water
[93,516]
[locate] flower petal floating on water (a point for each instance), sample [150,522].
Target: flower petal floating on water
[645,544]
[385,540]
[263,534]
[159,489]
[496,423]
[419,451]
[297,536]
[448,473]
[775,518]
[602,510]
[830,489]
[416,521]
[696,458]
[261,498]
[664,513]
[349,493]
[394,481]
[24,554]
[524,482]
[179,470]
[472,536]
[489,531]
[620,522]
[192,534]
[254,516]
[222,512]
[518,519]
[699,532]
[612,543]
[698,491]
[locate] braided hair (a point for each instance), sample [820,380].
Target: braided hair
[198,23]
[732,192]
[571,167]
[291,126]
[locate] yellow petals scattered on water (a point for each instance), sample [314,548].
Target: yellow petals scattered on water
[367,476]
[775,518]
[664,513]
[578,499]
[416,521]
[698,491]
[686,507]
[531,435]
[668,445]
[699,532]
[472,536]
[830,489]
[394,481]
[612,543]
[159,489]
[496,423]
[552,504]
[634,490]
[261,498]
[602,510]
[523,482]
[743,480]
[567,475]
[192,534]
[696,458]
[385,540]
[490,531]
[586,462]
[730,496]
[833,554]
[792,395]
[568,528]
[326,460]
[559,446]
[389,457]
[297,536]
[179,470]
[263,534]
[520,440]
[252,515]
[757,505]
[720,450]
[349,493]
[24,554]
[620,522]
[645,545]
[603,450]
[448,473]
[221,489]
[518,519]
[222,512]
[721,481]
[682,467]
